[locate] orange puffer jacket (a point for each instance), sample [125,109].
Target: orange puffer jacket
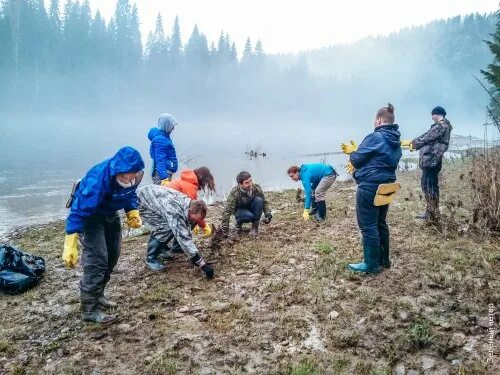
[187,184]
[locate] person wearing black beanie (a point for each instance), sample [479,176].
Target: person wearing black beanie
[432,145]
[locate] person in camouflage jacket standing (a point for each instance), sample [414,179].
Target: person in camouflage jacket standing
[432,145]
[246,202]
[169,213]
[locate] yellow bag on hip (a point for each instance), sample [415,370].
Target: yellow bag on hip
[386,193]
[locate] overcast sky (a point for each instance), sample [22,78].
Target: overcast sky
[291,25]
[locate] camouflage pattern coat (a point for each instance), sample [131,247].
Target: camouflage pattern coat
[165,212]
[239,199]
[433,144]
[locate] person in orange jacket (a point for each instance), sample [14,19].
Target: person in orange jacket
[189,183]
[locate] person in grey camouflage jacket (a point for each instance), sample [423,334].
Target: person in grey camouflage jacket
[169,214]
[432,145]
[246,202]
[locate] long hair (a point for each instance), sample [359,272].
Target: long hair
[205,179]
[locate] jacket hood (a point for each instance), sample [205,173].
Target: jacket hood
[126,160]
[166,122]
[154,132]
[391,134]
[189,176]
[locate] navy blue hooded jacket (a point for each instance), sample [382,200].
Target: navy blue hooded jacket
[100,194]
[377,157]
[162,149]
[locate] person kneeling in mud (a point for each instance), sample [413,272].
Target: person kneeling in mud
[246,202]
[316,179]
[108,187]
[373,165]
[169,213]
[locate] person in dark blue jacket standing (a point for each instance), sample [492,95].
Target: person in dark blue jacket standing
[316,179]
[106,188]
[373,165]
[162,150]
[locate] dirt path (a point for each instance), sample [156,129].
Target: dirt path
[283,303]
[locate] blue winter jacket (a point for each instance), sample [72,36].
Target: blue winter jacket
[100,194]
[162,149]
[311,175]
[377,157]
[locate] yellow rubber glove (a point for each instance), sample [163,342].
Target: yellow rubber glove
[134,219]
[350,168]
[207,231]
[305,215]
[196,229]
[166,181]
[70,253]
[407,144]
[349,148]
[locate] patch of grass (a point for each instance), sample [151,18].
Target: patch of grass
[159,294]
[306,367]
[344,338]
[419,335]
[363,368]
[339,365]
[72,370]
[17,370]
[5,347]
[162,366]
[381,371]
[275,286]
[324,247]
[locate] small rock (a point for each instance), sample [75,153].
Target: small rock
[428,363]
[285,342]
[78,356]
[60,352]
[202,317]
[333,315]
[240,273]
[403,315]
[413,372]
[96,336]
[483,322]
[445,325]
[124,327]
[361,321]
[65,330]
[456,362]
[220,306]
[22,358]
[184,309]
[457,340]
[399,369]
[141,315]
[148,359]
[292,261]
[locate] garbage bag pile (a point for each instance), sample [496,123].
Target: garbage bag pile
[19,271]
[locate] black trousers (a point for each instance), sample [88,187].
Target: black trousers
[101,241]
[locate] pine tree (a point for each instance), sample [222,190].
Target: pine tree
[492,74]
[247,51]
[175,50]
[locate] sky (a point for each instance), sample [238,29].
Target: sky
[292,26]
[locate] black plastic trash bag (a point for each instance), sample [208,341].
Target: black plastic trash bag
[19,271]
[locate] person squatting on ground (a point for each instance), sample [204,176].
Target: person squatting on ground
[317,178]
[189,183]
[108,187]
[432,145]
[162,150]
[169,213]
[246,202]
[374,163]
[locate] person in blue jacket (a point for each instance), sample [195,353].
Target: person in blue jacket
[317,178]
[106,188]
[373,163]
[162,150]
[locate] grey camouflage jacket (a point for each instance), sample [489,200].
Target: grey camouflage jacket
[433,144]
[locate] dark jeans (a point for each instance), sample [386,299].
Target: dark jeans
[251,212]
[102,238]
[372,219]
[430,182]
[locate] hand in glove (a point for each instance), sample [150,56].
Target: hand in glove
[267,218]
[350,168]
[207,231]
[166,181]
[197,260]
[208,271]
[134,219]
[349,148]
[70,253]
[305,214]
[407,144]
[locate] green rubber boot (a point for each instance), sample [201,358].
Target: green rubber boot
[371,261]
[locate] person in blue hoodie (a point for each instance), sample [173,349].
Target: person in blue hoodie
[317,179]
[373,164]
[162,150]
[106,188]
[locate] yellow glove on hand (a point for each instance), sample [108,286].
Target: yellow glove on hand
[349,148]
[134,219]
[196,229]
[407,144]
[70,253]
[350,168]
[305,215]
[207,231]
[165,181]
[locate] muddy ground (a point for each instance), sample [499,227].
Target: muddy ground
[280,304]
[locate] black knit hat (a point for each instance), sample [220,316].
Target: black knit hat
[439,111]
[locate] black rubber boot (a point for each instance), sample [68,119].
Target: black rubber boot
[255,229]
[105,303]
[91,312]
[320,214]
[154,249]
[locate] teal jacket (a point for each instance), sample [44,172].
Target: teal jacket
[311,175]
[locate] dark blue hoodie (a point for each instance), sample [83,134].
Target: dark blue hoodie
[100,194]
[377,157]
